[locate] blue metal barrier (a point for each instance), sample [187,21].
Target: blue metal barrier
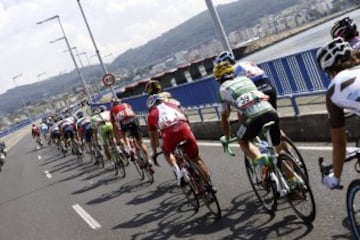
[292,76]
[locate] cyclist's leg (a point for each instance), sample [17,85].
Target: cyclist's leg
[247,132]
[136,132]
[104,129]
[170,140]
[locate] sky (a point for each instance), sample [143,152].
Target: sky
[26,56]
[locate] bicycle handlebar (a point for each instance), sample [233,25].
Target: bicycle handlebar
[325,170]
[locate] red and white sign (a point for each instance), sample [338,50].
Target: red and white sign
[108,79]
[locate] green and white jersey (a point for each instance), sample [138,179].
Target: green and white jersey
[242,94]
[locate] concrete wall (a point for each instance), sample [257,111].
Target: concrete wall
[305,128]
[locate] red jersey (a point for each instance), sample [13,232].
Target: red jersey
[165,115]
[121,112]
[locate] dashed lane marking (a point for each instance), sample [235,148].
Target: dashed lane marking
[86,217]
[47,173]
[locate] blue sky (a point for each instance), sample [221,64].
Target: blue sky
[116,25]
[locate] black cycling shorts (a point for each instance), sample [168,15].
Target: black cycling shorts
[248,131]
[264,85]
[132,127]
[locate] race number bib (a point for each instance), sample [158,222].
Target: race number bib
[246,99]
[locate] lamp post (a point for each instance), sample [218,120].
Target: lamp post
[20,92]
[96,49]
[69,49]
[218,25]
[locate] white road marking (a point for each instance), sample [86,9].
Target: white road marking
[47,173]
[317,148]
[86,217]
[39,157]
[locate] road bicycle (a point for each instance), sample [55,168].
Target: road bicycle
[117,158]
[352,194]
[196,186]
[76,149]
[142,166]
[276,183]
[98,155]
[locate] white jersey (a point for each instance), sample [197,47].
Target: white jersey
[346,85]
[343,93]
[97,118]
[54,128]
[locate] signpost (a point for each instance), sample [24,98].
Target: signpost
[109,80]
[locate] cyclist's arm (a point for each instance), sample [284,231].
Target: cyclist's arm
[225,126]
[338,138]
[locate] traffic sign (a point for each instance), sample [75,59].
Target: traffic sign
[108,79]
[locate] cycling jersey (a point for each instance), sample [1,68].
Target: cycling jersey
[101,123]
[250,70]
[35,131]
[173,126]
[343,92]
[44,128]
[84,126]
[242,94]
[121,113]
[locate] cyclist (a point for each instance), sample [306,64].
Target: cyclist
[55,132]
[125,120]
[44,129]
[35,133]
[67,129]
[340,62]
[100,123]
[84,130]
[346,28]
[254,110]
[247,69]
[174,128]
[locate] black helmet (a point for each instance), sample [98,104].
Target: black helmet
[345,28]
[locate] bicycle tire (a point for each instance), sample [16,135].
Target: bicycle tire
[267,195]
[302,193]
[100,159]
[297,155]
[149,173]
[207,193]
[119,163]
[139,170]
[354,220]
[189,191]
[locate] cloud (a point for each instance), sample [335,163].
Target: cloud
[116,26]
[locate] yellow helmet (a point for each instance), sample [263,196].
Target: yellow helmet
[223,69]
[153,87]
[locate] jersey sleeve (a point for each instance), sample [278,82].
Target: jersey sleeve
[336,114]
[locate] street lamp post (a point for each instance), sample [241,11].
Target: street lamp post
[96,49]
[69,48]
[218,25]
[20,93]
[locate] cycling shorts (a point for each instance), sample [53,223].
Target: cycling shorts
[132,127]
[68,132]
[88,132]
[264,85]
[55,135]
[173,135]
[249,130]
[106,130]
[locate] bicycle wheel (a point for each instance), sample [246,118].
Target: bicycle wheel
[353,206]
[300,198]
[139,170]
[119,164]
[266,193]
[99,158]
[293,151]
[146,168]
[208,195]
[149,172]
[189,191]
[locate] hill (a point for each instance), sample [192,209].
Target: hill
[237,15]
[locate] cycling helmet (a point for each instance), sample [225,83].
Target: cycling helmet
[153,87]
[223,70]
[331,52]
[345,28]
[102,108]
[80,114]
[225,56]
[153,100]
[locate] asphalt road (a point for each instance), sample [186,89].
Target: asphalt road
[45,196]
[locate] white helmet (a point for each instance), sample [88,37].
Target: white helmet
[153,100]
[225,56]
[328,54]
